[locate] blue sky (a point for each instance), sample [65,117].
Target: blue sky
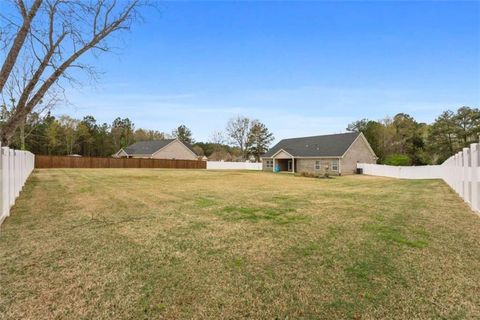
[302,68]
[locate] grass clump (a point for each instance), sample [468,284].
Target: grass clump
[204,202]
[256,214]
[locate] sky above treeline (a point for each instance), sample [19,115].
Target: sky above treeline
[302,68]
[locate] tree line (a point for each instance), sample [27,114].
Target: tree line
[402,140]
[399,140]
[242,139]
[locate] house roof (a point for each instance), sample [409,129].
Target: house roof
[150,147]
[332,145]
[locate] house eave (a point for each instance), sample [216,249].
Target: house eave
[273,156]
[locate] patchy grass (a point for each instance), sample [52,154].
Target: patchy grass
[173,244]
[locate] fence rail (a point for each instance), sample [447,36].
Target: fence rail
[221,165]
[15,168]
[461,172]
[47,162]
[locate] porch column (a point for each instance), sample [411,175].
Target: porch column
[293,165]
[273,166]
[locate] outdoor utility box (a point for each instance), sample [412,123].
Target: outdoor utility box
[359,170]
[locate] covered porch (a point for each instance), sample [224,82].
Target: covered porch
[284,165]
[283,162]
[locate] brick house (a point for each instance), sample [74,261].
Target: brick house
[335,153]
[158,149]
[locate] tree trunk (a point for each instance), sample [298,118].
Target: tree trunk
[8,130]
[22,136]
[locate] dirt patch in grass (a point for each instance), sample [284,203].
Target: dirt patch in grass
[182,244]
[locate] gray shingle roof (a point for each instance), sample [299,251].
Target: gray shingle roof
[150,147]
[332,145]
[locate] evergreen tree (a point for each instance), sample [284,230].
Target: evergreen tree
[259,139]
[183,134]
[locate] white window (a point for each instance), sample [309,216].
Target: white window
[317,165]
[269,164]
[335,165]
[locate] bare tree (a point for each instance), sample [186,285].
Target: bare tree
[238,129]
[217,138]
[27,16]
[70,128]
[58,33]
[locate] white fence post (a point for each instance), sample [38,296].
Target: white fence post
[466,178]
[475,163]
[460,173]
[11,177]
[5,181]
[454,170]
[3,213]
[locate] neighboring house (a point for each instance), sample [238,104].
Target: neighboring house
[158,149]
[336,153]
[220,155]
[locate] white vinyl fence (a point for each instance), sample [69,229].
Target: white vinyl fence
[15,167]
[461,172]
[221,165]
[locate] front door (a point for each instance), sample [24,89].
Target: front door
[289,165]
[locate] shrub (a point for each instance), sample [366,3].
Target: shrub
[325,175]
[398,160]
[307,174]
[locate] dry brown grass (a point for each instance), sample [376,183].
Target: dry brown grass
[171,244]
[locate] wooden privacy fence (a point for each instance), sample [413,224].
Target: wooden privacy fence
[47,162]
[461,172]
[15,168]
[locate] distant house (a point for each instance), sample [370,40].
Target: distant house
[158,149]
[220,155]
[336,153]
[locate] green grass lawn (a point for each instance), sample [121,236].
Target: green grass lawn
[193,244]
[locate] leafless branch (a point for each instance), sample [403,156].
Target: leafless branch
[60,32]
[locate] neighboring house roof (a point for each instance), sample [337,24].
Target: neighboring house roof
[150,147]
[332,145]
